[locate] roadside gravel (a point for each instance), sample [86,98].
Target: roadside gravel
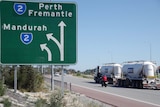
[71,99]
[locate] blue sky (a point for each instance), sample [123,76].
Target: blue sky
[116,31]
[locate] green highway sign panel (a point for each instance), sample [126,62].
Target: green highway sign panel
[38,33]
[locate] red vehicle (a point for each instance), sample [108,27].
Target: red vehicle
[104,81]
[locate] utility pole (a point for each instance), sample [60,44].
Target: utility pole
[150,46]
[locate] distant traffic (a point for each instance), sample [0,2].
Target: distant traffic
[137,74]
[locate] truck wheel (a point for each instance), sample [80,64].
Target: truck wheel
[140,85]
[127,82]
[102,84]
[106,85]
[119,83]
[133,83]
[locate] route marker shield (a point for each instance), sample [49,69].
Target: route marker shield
[26,38]
[20,8]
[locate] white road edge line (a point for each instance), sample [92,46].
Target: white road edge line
[119,95]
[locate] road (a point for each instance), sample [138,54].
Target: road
[120,97]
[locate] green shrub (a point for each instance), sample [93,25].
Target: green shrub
[27,78]
[2,88]
[7,103]
[41,103]
[9,77]
[56,99]
[78,74]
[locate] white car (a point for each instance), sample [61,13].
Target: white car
[56,74]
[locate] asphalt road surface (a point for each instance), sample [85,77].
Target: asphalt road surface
[116,96]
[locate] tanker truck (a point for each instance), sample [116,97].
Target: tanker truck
[111,70]
[139,74]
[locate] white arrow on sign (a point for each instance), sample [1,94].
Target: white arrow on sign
[61,43]
[44,47]
[62,25]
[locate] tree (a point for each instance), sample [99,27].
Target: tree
[27,78]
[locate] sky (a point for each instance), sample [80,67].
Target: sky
[116,31]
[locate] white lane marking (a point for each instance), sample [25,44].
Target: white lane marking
[119,95]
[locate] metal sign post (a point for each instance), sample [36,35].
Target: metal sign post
[42,71]
[0,71]
[62,81]
[15,79]
[52,78]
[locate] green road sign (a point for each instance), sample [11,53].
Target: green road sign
[38,33]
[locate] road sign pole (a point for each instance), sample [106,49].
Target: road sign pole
[15,79]
[42,69]
[62,81]
[52,78]
[38,68]
[0,71]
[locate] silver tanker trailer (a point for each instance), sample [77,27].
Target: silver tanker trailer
[139,74]
[111,70]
